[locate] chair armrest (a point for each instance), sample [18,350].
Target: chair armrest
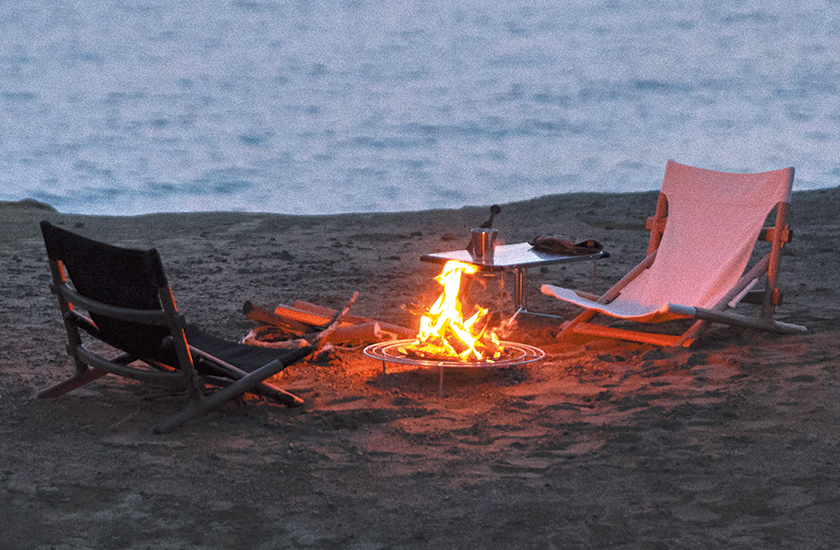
[81,321]
[588,295]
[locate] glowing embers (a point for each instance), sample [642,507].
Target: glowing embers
[444,333]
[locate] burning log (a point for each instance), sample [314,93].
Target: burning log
[445,334]
[490,346]
[454,341]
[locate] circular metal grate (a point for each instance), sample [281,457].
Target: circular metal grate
[394,352]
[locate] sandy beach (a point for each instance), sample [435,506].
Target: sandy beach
[603,444]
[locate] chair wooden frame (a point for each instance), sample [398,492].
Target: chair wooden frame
[766,270]
[183,375]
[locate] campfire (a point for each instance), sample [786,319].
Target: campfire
[444,332]
[447,340]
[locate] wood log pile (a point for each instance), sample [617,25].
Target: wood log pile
[304,323]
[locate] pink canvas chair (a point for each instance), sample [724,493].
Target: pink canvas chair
[702,237]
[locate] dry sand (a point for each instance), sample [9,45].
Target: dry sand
[732,444]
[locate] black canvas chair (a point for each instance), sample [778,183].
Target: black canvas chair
[131,308]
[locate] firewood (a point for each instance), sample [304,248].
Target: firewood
[312,319]
[260,337]
[301,322]
[271,336]
[400,331]
[309,307]
[365,333]
[268,317]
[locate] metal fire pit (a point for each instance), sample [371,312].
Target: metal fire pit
[394,352]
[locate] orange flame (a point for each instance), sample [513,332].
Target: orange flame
[445,334]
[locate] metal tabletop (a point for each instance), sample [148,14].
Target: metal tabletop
[511,256]
[516,257]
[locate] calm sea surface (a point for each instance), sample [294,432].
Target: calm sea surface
[330,106]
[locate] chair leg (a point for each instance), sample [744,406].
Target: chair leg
[693,333]
[203,404]
[582,319]
[76,381]
[263,389]
[664,340]
[280,395]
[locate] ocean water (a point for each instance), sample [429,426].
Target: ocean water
[333,106]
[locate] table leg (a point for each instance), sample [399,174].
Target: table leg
[519,291]
[519,297]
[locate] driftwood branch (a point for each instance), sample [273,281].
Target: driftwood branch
[321,338]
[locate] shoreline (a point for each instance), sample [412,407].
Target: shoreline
[32,203]
[731,444]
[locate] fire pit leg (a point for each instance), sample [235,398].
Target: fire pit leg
[383,368]
[440,381]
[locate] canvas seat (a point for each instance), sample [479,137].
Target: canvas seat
[702,237]
[131,308]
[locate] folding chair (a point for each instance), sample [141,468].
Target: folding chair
[702,237]
[131,308]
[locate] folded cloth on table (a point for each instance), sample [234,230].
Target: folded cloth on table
[560,245]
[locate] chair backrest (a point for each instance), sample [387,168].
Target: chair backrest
[115,276]
[714,220]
